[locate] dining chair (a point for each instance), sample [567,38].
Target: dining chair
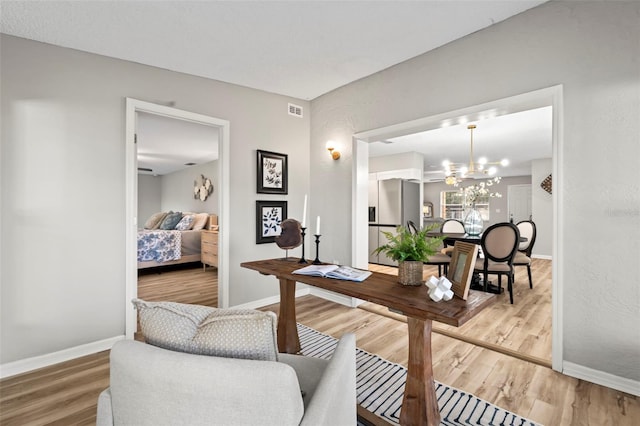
[499,246]
[527,229]
[453,226]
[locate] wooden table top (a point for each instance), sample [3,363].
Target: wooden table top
[384,289]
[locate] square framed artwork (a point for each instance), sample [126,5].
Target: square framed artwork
[269,216]
[460,270]
[272,173]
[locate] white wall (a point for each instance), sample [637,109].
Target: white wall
[542,206]
[177,189]
[592,49]
[149,197]
[63,174]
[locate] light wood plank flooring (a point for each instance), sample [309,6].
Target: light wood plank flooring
[66,394]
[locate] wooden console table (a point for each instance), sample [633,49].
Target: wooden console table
[419,405]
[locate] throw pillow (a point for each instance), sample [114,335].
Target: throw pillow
[202,330]
[185,223]
[170,221]
[200,221]
[155,220]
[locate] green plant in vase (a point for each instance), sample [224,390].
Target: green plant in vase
[410,247]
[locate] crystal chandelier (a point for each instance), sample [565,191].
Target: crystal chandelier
[456,172]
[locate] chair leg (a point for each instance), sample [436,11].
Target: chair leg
[529,272]
[439,270]
[510,286]
[446,269]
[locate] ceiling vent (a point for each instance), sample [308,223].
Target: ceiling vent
[295,110]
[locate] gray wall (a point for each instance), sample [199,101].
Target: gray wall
[63,176]
[149,197]
[177,189]
[592,49]
[174,191]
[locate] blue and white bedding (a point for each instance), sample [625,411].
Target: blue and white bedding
[159,245]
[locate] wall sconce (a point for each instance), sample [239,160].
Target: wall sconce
[332,150]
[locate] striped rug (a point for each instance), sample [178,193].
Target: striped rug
[380,386]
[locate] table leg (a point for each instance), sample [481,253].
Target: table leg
[419,405]
[288,340]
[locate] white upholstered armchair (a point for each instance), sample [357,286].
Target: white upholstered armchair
[155,386]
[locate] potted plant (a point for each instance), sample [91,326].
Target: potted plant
[410,247]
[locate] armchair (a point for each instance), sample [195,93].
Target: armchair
[155,386]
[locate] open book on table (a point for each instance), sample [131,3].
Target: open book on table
[334,271]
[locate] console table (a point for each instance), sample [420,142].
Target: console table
[419,405]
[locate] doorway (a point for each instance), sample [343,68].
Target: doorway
[545,97]
[133,107]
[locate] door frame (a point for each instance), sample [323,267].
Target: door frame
[539,98]
[133,106]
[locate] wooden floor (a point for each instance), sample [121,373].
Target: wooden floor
[66,394]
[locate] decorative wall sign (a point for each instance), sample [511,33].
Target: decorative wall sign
[546,184]
[272,173]
[202,189]
[269,216]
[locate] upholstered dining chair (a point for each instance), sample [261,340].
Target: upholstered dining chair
[453,226]
[499,244]
[527,229]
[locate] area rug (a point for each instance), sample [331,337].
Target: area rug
[380,386]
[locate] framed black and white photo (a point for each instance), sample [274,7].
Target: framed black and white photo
[272,173]
[269,216]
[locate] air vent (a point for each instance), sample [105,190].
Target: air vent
[144,169]
[295,110]
[189,164]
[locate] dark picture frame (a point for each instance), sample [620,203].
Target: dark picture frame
[269,216]
[272,172]
[460,270]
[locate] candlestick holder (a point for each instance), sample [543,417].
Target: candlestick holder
[302,259]
[317,259]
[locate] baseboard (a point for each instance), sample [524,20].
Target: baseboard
[541,256]
[335,297]
[24,365]
[256,304]
[601,378]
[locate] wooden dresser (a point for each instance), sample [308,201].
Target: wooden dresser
[209,248]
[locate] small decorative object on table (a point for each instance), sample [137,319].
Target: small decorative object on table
[410,248]
[290,237]
[473,223]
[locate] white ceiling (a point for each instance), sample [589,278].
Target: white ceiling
[301,49]
[519,137]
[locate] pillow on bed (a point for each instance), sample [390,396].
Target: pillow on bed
[185,223]
[155,220]
[202,330]
[170,221]
[200,221]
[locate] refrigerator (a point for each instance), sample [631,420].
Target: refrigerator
[392,202]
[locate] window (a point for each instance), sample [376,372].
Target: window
[452,205]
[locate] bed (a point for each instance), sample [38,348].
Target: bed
[163,247]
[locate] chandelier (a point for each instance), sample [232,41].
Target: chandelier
[456,172]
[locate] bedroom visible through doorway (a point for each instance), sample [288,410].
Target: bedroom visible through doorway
[169,172]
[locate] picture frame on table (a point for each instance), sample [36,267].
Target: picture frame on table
[269,216]
[463,260]
[272,172]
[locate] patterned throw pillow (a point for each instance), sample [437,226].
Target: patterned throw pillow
[170,221]
[202,330]
[185,223]
[155,220]
[200,221]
